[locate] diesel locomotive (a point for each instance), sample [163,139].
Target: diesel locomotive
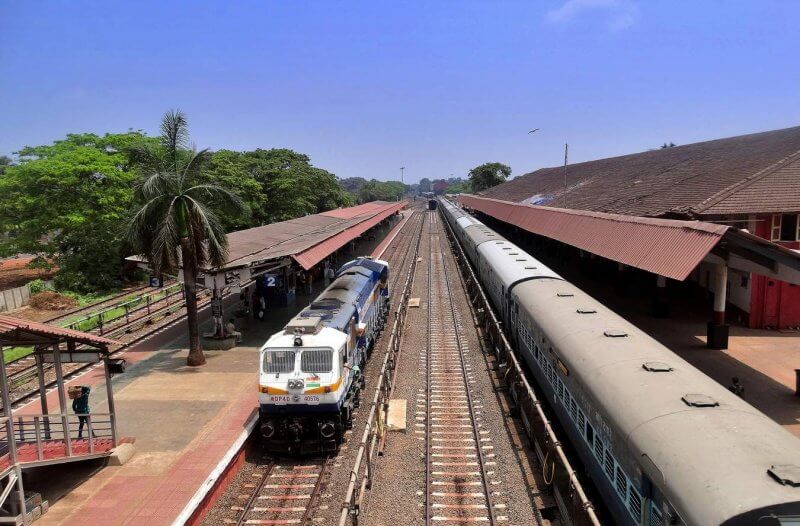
[311,372]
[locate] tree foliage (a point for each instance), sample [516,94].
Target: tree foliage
[376,190]
[488,175]
[69,200]
[175,212]
[72,199]
[425,185]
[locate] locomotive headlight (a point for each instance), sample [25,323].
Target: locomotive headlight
[268,429]
[327,429]
[295,384]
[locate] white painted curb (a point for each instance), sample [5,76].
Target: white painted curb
[209,483]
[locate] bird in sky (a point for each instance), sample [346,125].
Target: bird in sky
[533,130]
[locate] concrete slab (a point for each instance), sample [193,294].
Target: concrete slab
[121,454]
[396,418]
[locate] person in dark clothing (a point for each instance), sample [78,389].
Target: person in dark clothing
[80,405]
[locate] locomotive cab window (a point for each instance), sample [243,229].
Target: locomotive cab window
[279,361]
[316,361]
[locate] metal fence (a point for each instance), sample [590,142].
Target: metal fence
[573,503]
[374,432]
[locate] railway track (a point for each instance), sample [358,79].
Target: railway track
[20,367]
[294,491]
[286,492]
[457,450]
[24,380]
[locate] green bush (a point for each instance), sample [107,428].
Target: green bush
[36,286]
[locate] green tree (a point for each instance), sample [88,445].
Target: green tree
[175,215]
[230,170]
[292,186]
[488,175]
[376,190]
[352,184]
[5,162]
[424,185]
[70,200]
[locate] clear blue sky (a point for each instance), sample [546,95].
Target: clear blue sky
[437,87]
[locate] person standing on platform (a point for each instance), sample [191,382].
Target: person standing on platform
[80,405]
[329,274]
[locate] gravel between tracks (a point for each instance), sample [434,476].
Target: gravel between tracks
[397,496]
[330,505]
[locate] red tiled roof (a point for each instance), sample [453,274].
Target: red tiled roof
[12,329]
[671,181]
[667,247]
[317,253]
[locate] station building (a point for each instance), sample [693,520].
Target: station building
[749,183]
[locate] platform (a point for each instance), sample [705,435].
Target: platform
[185,421]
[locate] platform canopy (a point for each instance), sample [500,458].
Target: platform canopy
[666,247]
[19,332]
[307,240]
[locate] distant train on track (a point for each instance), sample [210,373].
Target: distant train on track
[311,372]
[664,443]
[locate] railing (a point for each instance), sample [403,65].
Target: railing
[98,320]
[374,432]
[39,429]
[563,479]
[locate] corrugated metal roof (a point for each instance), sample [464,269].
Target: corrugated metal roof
[667,247]
[317,253]
[353,211]
[669,181]
[297,236]
[13,330]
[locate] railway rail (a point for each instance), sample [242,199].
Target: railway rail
[457,479]
[23,377]
[293,491]
[287,492]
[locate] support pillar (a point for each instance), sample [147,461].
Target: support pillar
[42,394]
[660,303]
[717,328]
[62,403]
[11,439]
[110,398]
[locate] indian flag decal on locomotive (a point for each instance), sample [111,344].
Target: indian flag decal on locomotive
[311,371]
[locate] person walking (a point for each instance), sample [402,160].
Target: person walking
[80,405]
[329,274]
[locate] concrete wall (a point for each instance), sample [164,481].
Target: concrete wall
[15,298]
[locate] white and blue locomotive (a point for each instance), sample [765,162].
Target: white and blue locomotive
[663,443]
[311,372]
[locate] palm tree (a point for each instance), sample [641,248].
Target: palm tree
[175,226]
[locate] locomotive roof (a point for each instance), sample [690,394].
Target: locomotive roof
[700,455]
[348,292]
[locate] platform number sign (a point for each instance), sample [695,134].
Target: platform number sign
[272,280]
[156,281]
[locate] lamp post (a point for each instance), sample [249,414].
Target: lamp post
[402,169]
